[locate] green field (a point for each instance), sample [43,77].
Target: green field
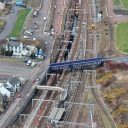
[117,2]
[2,23]
[125,3]
[122,37]
[121,3]
[19,22]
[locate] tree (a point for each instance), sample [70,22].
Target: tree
[32,56]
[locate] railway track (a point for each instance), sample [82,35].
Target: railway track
[37,121]
[78,116]
[101,119]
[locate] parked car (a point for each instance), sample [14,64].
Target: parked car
[13,39]
[45,18]
[35,13]
[33,81]
[34,38]
[33,64]
[36,27]
[26,37]
[29,63]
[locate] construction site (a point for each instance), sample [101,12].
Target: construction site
[76,91]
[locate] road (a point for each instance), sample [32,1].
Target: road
[43,12]
[15,69]
[10,21]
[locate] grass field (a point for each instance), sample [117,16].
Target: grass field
[19,22]
[122,37]
[121,3]
[2,23]
[117,2]
[125,3]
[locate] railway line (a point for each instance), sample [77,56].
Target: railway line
[101,119]
[84,108]
[32,121]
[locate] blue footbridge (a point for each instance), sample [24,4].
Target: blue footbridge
[84,64]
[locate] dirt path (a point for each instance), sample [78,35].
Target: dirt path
[112,20]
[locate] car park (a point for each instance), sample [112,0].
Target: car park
[29,32]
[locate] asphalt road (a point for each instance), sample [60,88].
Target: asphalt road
[15,69]
[43,12]
[10,21]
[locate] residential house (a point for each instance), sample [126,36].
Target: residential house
[15,47]
[2,4]
[13,84]
[4,91]
[19,49]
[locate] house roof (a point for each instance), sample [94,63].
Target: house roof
[2,1]
[14,80]
[56,114]
[4,91]
[19,0]
[14,43]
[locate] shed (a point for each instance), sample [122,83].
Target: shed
[56,114]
